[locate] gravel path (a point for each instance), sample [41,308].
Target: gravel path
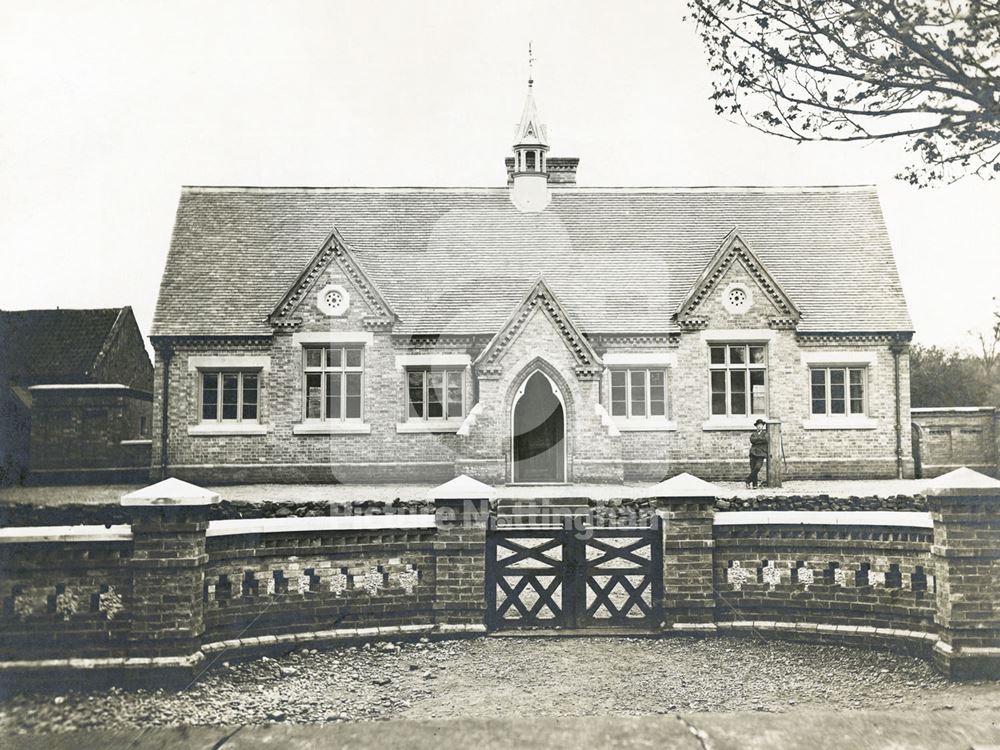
[491,677]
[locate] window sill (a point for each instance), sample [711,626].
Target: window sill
[331,428]
[449,425]
[840,423]
[731,423]
[645,425]
[237,428]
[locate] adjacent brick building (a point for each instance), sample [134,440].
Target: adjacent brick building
[538,332]
[946,438]
[75,396]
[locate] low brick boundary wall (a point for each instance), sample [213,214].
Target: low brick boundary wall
[165,596]
[926,583]
[67,595]
[833,568]
[158,599]
[321,576]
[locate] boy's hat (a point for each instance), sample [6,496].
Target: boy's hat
[759,421]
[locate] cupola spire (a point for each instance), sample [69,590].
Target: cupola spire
[530,181]
[531,67]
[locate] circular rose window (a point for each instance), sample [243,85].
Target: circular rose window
[333,300]
[736,298]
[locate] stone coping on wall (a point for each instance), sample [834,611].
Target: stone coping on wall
[249,646]
[345,635]
[824,518]
[84,533]
[814,628]
[123,532]
[336,523]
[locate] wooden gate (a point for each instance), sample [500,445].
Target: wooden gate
[568,577]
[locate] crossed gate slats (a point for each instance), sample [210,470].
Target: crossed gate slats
[549,584]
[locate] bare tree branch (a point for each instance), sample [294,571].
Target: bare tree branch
[863,70]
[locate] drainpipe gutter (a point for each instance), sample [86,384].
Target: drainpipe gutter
[897,348]
[166,355]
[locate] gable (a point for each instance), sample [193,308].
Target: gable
[333,263]
[735,283]
[123,357]
[540,303]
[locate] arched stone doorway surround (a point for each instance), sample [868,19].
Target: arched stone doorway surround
[539,416]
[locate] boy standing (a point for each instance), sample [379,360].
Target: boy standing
[758,452]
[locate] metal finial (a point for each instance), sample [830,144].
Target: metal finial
[531,63]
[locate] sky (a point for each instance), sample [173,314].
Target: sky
[107,108]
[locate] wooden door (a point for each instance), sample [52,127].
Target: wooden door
[539,434]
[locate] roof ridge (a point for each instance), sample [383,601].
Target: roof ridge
[503,188]
[65,309]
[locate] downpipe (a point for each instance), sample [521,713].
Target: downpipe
[897,349]
[167,355]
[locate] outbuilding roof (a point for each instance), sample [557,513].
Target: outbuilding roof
[54,346]
[458,261]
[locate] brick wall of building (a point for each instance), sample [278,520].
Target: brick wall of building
[90,435]
[949,438]
[721,454]
[594,451]
[281,455]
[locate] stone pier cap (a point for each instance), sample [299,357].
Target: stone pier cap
[683,485]
[462,500]
[462,487]
[963,482]
[170,492]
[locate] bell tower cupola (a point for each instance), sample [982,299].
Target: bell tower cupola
[529,178]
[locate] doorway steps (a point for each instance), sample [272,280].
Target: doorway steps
[540,511]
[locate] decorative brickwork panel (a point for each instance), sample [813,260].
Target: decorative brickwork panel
[838,575]
[61,599]
[318,581]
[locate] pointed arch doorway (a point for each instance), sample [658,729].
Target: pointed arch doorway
[538,432]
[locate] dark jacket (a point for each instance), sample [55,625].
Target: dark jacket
[758,444]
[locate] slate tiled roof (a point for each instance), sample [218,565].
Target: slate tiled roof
[459,260]
[53,346]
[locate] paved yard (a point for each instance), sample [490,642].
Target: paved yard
[855,730]
[511,677]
